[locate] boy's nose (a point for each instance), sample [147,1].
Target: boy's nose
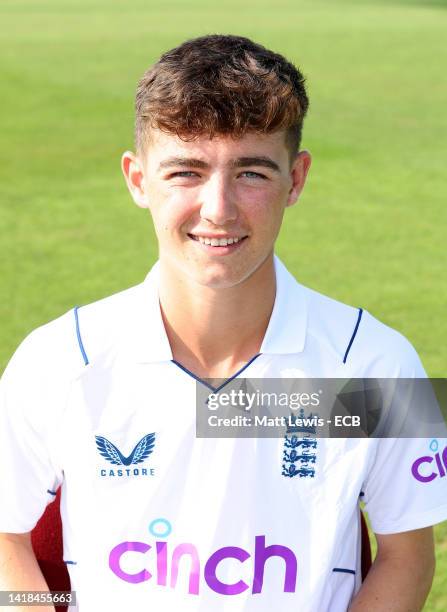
[218,205]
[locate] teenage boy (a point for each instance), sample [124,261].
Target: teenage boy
[102,401]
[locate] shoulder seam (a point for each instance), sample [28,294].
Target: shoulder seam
[354,333]
[79,337]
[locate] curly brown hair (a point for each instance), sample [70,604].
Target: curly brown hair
[220,85]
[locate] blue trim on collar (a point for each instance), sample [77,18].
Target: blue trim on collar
[215,389]
[78,334]
[344,570]
[179,365]
[359,318]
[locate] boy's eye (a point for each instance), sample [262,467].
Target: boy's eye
[183,173]
[253,174]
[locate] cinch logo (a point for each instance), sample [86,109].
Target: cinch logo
[141,452]
[422,469]
[166,562]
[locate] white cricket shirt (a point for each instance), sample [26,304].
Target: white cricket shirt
[156,519]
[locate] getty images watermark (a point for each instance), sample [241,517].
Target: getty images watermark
[325,408]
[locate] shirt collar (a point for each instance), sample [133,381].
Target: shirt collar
[148,332]
[286,331]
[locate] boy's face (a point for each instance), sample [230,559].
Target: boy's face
[216,190]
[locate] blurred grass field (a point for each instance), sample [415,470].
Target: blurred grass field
[370,229]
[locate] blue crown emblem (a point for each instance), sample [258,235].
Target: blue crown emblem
[308,428]
[141,451]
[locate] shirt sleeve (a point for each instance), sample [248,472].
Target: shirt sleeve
[29,474]
[406,485]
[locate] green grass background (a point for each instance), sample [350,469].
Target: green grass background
[370,229]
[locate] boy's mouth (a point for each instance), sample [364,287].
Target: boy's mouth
[217,241]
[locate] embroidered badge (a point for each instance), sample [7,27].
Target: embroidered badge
[299,451]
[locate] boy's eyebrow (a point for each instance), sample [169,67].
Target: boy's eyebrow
[262,160]
[190,162]
[239,162]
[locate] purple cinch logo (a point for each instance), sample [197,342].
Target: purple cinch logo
[166,560]
[423,470]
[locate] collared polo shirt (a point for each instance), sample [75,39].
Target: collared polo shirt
[155,518]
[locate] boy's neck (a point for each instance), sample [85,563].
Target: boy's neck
[215,332]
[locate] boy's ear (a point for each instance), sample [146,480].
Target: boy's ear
[133,173]
[299,170]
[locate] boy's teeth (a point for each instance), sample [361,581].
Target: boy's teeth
[218,241]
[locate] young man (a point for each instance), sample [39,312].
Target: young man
[102,401]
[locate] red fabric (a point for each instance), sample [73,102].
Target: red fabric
[46,539]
